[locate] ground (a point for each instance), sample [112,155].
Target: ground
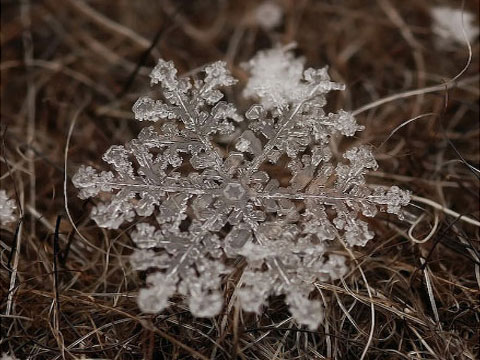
[71,70]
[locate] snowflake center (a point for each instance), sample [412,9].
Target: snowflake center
[234,191]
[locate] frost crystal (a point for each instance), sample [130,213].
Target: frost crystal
[268,15]
[7,207]
[274,196]
[449,27]
[279,79]
[6,356]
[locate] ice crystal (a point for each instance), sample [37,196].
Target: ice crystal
[268,15]
[6,356]
[274,196]
[7,208]
[449,25]
[278,80]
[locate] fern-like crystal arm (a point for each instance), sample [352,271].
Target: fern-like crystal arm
[190,109]
[286,266]
[287,119]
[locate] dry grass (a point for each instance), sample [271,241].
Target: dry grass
[72,293]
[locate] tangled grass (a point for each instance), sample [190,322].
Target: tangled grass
[71,71]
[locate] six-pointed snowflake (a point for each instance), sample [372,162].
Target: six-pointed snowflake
[274,195]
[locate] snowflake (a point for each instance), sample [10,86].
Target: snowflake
[6,356]
[274,197]
[449,24]
[7,207]
[268,15]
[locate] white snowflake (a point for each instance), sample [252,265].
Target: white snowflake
[7,208]
[276,197]
[449,27]
[278,79]
[6,356]
[268,14]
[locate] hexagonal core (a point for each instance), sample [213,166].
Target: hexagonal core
[234,191]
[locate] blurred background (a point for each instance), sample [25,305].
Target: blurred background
[72,69]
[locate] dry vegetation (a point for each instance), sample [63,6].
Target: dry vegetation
[71,71]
